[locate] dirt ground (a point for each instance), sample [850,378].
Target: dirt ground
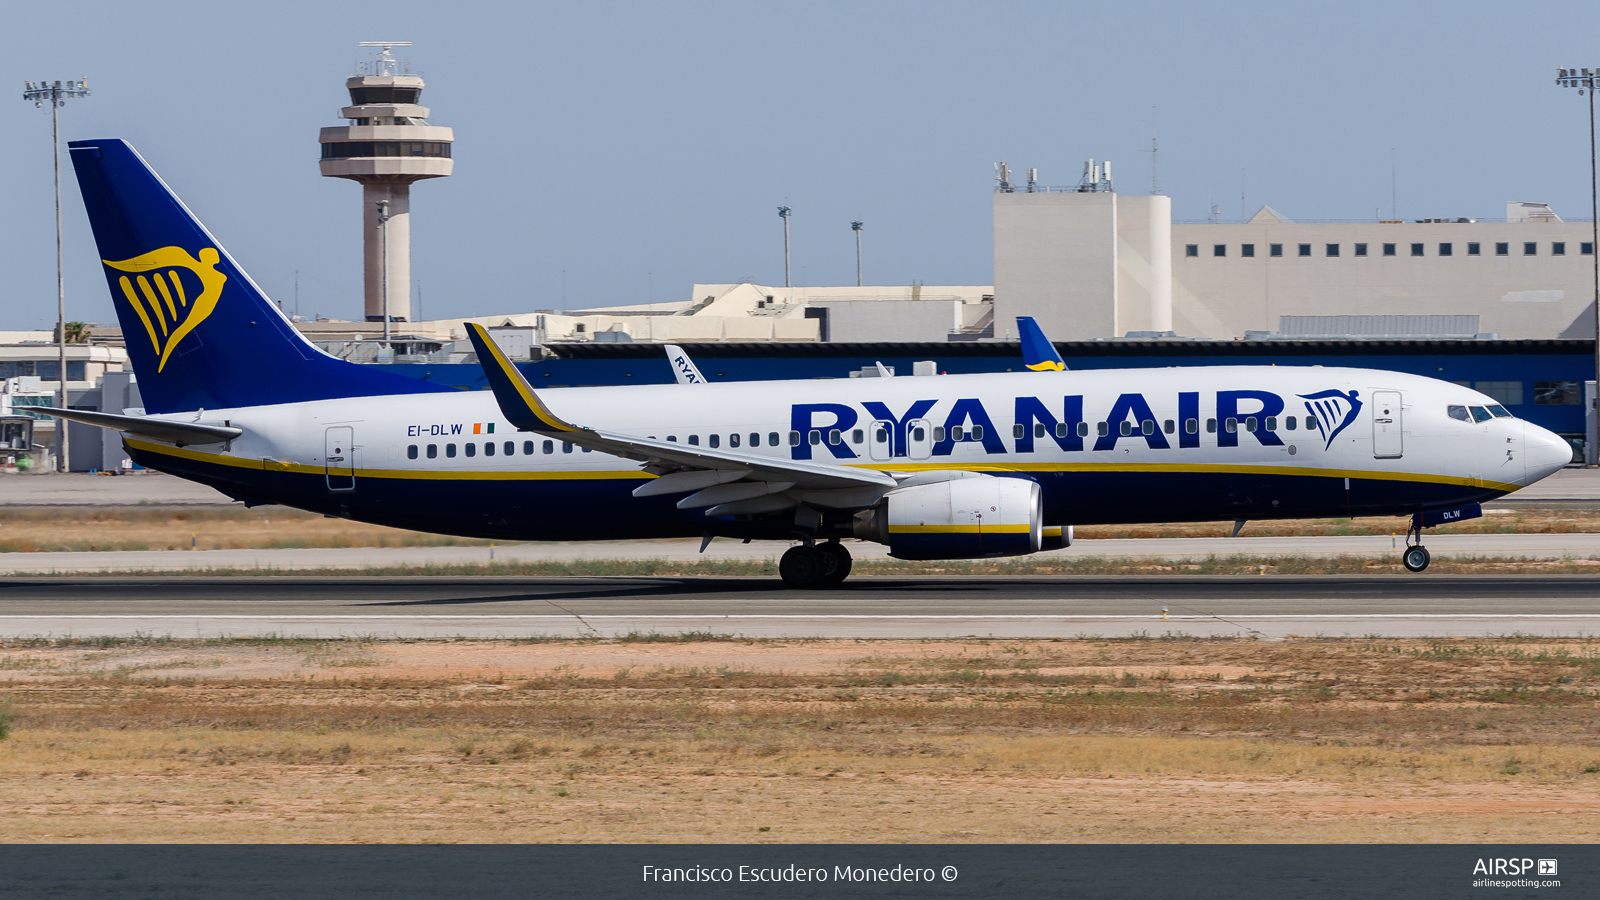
[46,528]
[678,739]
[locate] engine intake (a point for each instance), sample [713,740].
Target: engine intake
[972,517]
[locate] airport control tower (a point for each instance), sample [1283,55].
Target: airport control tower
[387,146]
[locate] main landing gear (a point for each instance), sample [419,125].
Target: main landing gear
[818,565]
[1415,558]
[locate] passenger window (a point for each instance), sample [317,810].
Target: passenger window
[1102,429]
[833,437]
[1018,430]
[1288,423]
[733,439]
[794,438]
[1250,423]
[1500,412]
[566,447]
[488,448]
[1039,432]
[549,447]
[1232,425]
[511,448]
[772,439]
[857,436]
[411,452]
[472,449]
[673,438]
[917,434]
[694,440]
[1148,426]
[977,432]
[588,449]
[527,448]
[714,440]
[1061,429]
[1125,427]
[450,450]
[1272,423]
[958,433]
[1191,426]
[882,436]
[1459,412]
[1169,426]
[814,436]
[433,451]
[1211,426]
[1479,414]
[938,433]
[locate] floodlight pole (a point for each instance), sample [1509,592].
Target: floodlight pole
[1586,84]
[856,227]
[383,226]
[56,95]
[783,213]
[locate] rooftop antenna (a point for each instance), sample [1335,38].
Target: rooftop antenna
[1033,178]
[383,63]
[1242,215]
[1155,186]
[1002,178]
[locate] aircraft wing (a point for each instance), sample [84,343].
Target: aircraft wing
[180,433]
[682,467]
[1038,354]
[683,368]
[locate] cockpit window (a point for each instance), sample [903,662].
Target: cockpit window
[1500,412]
[1460,412]
[1479,414]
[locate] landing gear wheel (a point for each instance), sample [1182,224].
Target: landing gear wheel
[835,560]
[800,567]
[1415,558]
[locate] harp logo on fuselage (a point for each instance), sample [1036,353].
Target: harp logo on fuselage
[168,308]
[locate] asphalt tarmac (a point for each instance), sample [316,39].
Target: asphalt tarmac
[880,607]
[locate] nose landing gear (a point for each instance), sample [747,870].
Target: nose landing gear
[1416,557]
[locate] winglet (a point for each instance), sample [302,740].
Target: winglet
[521,406]
[683,368]
[1038,354]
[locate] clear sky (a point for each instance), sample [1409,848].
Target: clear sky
[611,153]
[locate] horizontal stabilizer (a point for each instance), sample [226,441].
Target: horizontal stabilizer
[180,433]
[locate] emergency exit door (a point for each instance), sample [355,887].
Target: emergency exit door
[1387,436]
[339,457]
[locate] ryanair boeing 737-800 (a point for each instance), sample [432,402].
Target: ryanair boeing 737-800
[944,467]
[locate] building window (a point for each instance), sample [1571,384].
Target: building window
[1333,250]
[1191,249]
[1274,249]
[1586,248]
[1447,250]
[1416,249]
[1474,248]
[1530,248]
[1559,248]
[1219,249]
[1247,249]
[1557,393]
[1305,249]
[1502,249]
[1361,249]
[1506,393]
[1388,249]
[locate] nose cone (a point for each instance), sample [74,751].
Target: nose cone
[1544,452]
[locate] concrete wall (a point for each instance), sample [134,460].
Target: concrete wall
[1055,258]
[891,320]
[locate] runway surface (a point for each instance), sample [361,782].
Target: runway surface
[1266,606]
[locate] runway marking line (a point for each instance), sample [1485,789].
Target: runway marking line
[1182,618]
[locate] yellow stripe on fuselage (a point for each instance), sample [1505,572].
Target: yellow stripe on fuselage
[960,529]
[1203,468]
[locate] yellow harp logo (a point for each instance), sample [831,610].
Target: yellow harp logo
[163,304]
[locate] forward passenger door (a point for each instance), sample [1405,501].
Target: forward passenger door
[1388,441]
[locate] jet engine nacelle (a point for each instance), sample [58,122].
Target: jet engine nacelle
[970,517]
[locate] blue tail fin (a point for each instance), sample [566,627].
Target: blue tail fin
[199,332]
[1038,354]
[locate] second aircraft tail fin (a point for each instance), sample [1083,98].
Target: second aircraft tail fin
[1038,354]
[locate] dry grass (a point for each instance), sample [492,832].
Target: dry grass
[39,528]
[710,740]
